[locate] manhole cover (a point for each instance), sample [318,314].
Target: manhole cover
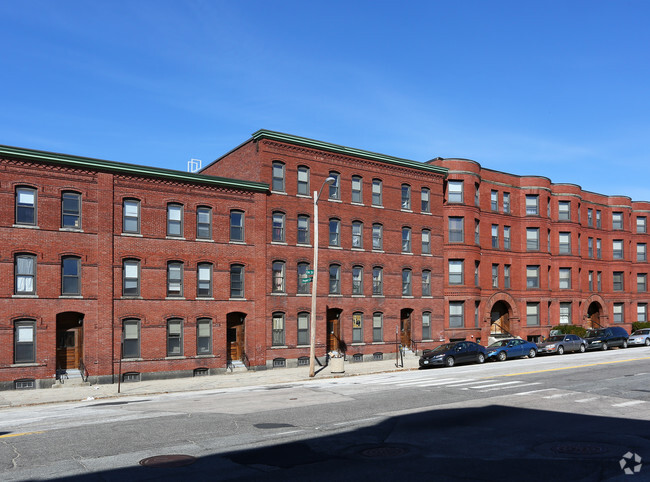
[273,425]
[166,461]
[579,449]
[383,452]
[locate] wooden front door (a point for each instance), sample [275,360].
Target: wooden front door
[333,331]
[236,341]
[405,328]
[595,320]
[69,348]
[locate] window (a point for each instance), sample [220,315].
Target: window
[25,341]
[406,240]
[506,238]
[617,249]
[641,252]
[335,279]
[278,227]
[495,236]
[71,210]
[532,205]
[131,277]
[641,224]
[548,207]
[376,192]
[236,281]
[303,285]
[131,216]
[532,277]
[599,280]
[335,232]
[494,200]
[495,276]
[618,312]
[425,197]
[204,336]
[71,275]
[277,276]
[174,278]
[477,232]
[506,276]
[642,312]
[204,280]
[642,282]
[357,280]
[175,337]
[532,239]
[426,282]
[477,197]
[237,226]
[426,241]
[590,217]
[565,243]
[335,187]
[565,313]
[377,281]
[591,280]
[598,219]
[25,274]
[377,327]
[548,241]
[477,268]
[456,234]
[277,183]
[303,229]
[565,278]
[564,210]
[456,271]
[174,220]
[26,206]
[590,247]
[303,328]
[456,314]
[426,325]
[506,203]
[303,180]
[532,314]
[203,222]
[617,220]
[357,234]
[277,329]
[131,339]
[377,237]
[406,197]
[357,327]
[407,289]
[617,280]
[598,249]
[455,191]
[357,193]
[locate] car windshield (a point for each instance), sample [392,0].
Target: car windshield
[442,348]
[499,343]
[641,332]
[555,338]
[592,333]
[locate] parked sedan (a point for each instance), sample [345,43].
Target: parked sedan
[451,353]
[639,337]
[562,343]
[512,348]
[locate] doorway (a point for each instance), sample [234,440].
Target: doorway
[405,327]
[69,341]
[235,334]
[500,318]
[593,315]
[334,330]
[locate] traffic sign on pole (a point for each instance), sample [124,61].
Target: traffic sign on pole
[309,271]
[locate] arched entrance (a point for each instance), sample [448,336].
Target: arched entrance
[69,341]
[500,318]
[405,327]
[593,315]
[235,335]
[334,342]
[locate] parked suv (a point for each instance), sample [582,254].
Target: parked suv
[604,338]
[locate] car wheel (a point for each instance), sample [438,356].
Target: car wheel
[532,353]
[624,343]
[583,348]
[502,356]
[450,362]
[560,350]
[605,346]
[480,358]
[647,342]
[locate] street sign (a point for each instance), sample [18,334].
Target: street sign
[309,271]
[307,280]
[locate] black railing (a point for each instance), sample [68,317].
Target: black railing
[245,360]
[83,371]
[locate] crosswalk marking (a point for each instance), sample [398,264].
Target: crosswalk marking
[628,404]
[518,386]
[585,400]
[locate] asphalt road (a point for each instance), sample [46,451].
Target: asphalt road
[570,417]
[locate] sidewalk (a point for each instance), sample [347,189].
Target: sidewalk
[76,393]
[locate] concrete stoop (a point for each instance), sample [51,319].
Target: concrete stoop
[72,378]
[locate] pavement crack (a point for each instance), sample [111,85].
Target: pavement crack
[14,460]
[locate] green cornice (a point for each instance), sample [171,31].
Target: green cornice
[123,168]
[348,151]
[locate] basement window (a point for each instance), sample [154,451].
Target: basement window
[378,356]
[303,361]
[131,377]
[24,384]
[357,357]
[279,362]
[200,372]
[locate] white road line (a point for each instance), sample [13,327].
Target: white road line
[518,386]
[536,391]
[585,400]
[500,384]
[288,433]
[558,395]
[628,404]
[356,422]
[428,382]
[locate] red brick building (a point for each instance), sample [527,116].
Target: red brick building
[523,254]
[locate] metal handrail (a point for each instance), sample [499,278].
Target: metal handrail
[83,371]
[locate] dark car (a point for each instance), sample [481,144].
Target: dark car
[562,343]
[512,348]
[604,338]
[451,353]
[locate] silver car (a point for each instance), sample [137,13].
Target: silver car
[562,343]
[639,337]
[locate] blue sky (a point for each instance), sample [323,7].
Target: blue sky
[553,88]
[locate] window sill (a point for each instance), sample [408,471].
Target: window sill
[236,242]
[334,247]
[306,196]
[427,213]
[408,297]
[71,230]
[378,251]
[175,357]
[202,240]
[334,295]
[135,297]
[278,294]
[358,343]
[406,210]
[179,238]
[71,297]
[334,200]
[25,365]
[281,193]
[358,296]
[25,226]
[378,343]
[275,347]
[24,296]
[377,296]
[357,204]
[426,254]
[280,243]
[132,359]
[407,253]
[174,298]
[357,249]
[377,206]
[303,245]
[204,298]
[237,299]
[206,356]
[303,294]
[131,235]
